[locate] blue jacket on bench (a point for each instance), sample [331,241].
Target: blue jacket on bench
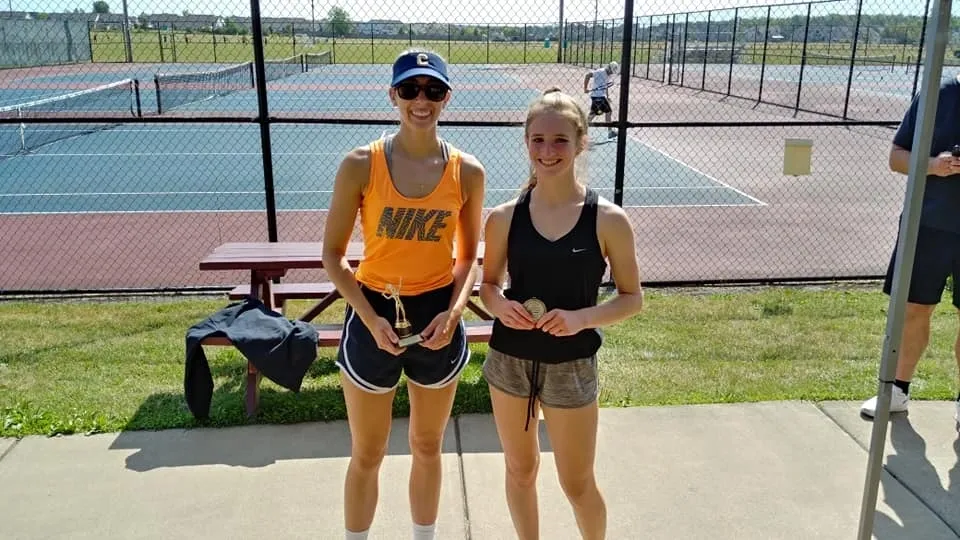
[281,349]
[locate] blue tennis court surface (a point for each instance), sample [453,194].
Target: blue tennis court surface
[326,88]
[218,167]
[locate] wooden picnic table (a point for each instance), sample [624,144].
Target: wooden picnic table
[267,261]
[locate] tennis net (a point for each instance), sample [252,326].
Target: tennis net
[81,110]
[316,59]
[179,89]
[887,62]
[284,67]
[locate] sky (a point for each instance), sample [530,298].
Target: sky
[454,11]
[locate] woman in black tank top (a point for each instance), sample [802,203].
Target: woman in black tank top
[553,243]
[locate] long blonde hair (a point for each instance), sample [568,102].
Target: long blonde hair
[554,100]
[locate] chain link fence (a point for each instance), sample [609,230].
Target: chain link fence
[163,129]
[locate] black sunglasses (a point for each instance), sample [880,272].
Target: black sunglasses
[410,90]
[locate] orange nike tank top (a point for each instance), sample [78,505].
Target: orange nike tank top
[408,242]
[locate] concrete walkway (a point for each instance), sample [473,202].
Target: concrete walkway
[765,471]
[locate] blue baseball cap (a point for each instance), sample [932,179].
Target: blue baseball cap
[420,63]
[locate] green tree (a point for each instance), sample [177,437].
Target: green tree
[100,6]
[339,21]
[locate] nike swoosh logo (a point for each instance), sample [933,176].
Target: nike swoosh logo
[575,250]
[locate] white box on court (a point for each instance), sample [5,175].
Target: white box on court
[797,155]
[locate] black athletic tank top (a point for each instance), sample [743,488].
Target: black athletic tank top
[563,274]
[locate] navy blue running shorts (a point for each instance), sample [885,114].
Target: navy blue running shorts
[377,371]
[937,256]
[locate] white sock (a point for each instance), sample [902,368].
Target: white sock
[362,535]
[424,532]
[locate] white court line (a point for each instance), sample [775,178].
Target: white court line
[698,171]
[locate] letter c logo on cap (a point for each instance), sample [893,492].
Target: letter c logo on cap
[423,60]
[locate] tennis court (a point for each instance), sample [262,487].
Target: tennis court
[138,204]
[70,168]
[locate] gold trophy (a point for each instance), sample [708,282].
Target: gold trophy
[402,325]
[535,307]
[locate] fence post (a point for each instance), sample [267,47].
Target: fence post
[763,61]
[733,46]
[593,40]
[68,39]
[673,41]
[213,35]
[613,31]
[263,119]
[160,43]
[923,35]
[624,103]
[125,26]
[666,38]
[853,58]
[581,36]
[603,39]
[683,54]
[803,60]
[706,52]
[90,38]
[560,38]
[649,45]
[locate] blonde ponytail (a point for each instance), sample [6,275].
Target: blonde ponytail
[531,181]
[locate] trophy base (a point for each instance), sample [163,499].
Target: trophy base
[410,340]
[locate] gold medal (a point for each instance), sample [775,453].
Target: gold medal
[535,307]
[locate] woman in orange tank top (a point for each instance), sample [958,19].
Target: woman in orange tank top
[420,203]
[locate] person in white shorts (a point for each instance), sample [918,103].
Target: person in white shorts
[597,82]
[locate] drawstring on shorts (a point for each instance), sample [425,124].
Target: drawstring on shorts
[534,390]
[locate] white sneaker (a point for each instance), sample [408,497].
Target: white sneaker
[898,403]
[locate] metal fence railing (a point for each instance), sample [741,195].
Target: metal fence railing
[176,131]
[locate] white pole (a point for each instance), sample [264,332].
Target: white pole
[937,37]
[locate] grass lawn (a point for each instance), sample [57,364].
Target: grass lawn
[201,48]
[87,366]
[151,46]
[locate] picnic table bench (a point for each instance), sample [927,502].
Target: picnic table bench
[269,261]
